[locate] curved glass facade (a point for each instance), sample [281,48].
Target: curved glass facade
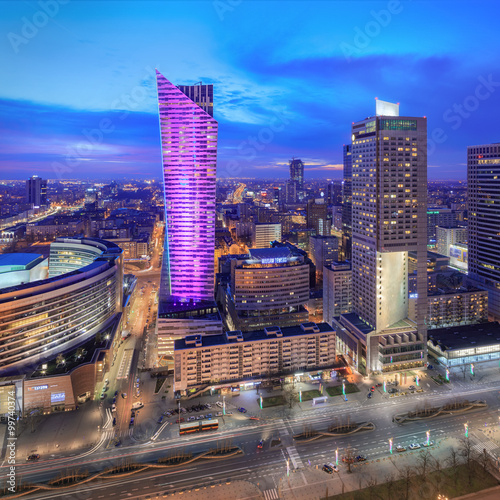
[44,318]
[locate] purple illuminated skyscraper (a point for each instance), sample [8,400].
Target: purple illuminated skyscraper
[189,153]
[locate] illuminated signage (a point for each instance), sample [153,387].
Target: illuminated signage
[38,388]
[277,260]
[57,397]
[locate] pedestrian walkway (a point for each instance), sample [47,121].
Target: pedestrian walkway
[294,457]
[235,490]
[271,494]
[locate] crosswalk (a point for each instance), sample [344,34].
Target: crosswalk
[294,457]
[489,446]
[282,428]
[271,494]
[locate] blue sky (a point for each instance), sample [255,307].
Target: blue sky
[78,95]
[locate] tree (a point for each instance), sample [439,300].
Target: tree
[290,395]
[407,476]
[453,463]
[389,485]
[348,458]
[467,451]
[60,359]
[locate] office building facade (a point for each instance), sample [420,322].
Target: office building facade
[189,155]
[447,236]
[264,234]
[347,202]
[337,290]
[389,219]
[483,186]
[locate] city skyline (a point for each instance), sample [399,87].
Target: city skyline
[93,107]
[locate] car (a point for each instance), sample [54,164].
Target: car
[219,404]
[333,467]
[190,419]
[360,458]
[132,413]
[179,420]
[411,388]
[328,469]
[393,390]
[426,444]
[137,385]
[218,414]
[138,380]
[114,400]
[261,444]
[131,422]
[160,420]
[369,395]
[378,385]
[106,381]
[229,413]
[209,415]
[242,410]
[114,421]
[200,417]
[400,448]
[118,443]
[372,388]
[105,388]
[116,393]
[414,446]
[124,395]
[253,417]
[430,367]
[208,405]
[32,457]
[103,395]
[113,407]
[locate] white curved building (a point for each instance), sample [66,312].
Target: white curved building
[40,319]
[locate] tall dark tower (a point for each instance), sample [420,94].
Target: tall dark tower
[347,203]
[36,191]
[297,172]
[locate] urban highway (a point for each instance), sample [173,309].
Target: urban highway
[267,465]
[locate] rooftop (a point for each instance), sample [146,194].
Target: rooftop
[26,260]
[466,336]
[290,331]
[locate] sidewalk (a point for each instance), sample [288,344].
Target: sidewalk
[242,490]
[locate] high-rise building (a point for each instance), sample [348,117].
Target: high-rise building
[291,192]
[36,191]
[483,185]
[389,219]
[318,217]
[189,153]
[337,290]
[264,234]
[323,250]
[297,173]
[347,202]
[202,95]
[447,236]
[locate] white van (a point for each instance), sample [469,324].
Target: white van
[137,405]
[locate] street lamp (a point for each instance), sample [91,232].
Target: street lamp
[337,456]
[385,388]
[390,446]
[223,405]
[472,368]
[417,380]
[466,427]
[428,434]
[447,374]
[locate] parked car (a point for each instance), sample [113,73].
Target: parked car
[253,417]
[333,467]
[209,415]
[179,420]
[369,395]
[116,393]
[208,405]
[228,413]
[114,421]
[190,419]
[400,448]
[124,395]
[360,458]
[113,407]
[200,417]
[414,446]
[32,457]
[379,385]
[218,414]
[103,395]
[372,388]
[160,420]
[131,422]
[426,444]
[411,388]
[242,410]
[219,404]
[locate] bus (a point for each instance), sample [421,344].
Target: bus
[203,425]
